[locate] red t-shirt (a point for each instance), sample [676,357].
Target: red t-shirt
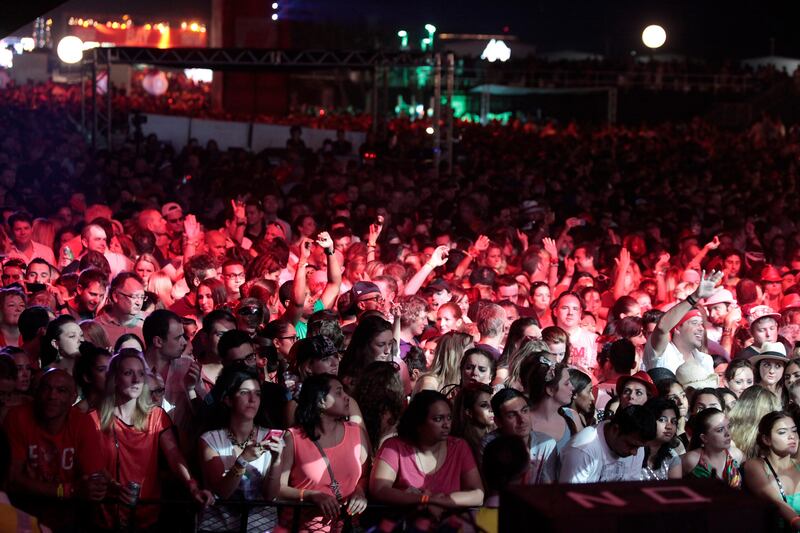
[61,458]
[136,459]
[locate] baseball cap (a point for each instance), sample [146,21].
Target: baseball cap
[758,312]
[171,207]
[363,288]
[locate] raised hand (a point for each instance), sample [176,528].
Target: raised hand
[708,284]
[305,248]
[713,244]
[551,248]
[324,240]
[375,231]
[623,261]
[439,256]
[238,210]
[482,244]
[191,228]
[663,262]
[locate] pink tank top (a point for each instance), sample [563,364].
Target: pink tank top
[309,470]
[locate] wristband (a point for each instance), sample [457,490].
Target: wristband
[61,307]
[691,300]
[192,394]
[328,251]
[425,498]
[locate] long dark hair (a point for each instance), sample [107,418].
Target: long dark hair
[356,356]
[48,352]
[379,392]
[699,423]
[416,413]
[85,363]
[308,414]
[516,334]
[765,427]
[463,425]
[657,406]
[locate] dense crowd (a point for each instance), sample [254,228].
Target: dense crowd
[343,328]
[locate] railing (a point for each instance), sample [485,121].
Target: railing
[249,516]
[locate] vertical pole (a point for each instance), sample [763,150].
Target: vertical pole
[375,100]
[109,116]
[451,74]
[93,81]
[83,99]
[612,106]
[437,113]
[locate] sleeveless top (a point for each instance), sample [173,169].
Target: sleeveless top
[730,474]
[218,517]
[309,470]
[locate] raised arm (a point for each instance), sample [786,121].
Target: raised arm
[438,258]
[661,335]
[331,291]
[623,263]
[372,241]
[697,260]
[300,285]
[481,245]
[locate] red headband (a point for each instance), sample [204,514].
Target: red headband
[688,316]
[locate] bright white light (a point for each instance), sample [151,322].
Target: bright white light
[429,130]
[199,75]
[420,109]
[6,58]
[70,49]
[28,44]
[402,33]
[430,28]
[274,16]
[496,49]
[88,45]
[274,5]
[654,36]
[155,83]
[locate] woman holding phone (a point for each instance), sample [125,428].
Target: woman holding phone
[239,459]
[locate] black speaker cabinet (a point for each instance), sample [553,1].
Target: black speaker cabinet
[685,506]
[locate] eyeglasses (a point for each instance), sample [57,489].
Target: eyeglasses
[292,338]
[249,358]
[133,297]
[248,310]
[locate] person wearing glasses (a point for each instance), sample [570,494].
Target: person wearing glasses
[123,312]
[234,276]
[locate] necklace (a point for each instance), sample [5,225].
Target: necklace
[242,444]
[436,460]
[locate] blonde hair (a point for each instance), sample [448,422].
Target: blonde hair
[528,348]
[44,232]
[109,402]
[447,358]
[161,285]
[753,404]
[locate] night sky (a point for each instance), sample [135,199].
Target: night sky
[700,27]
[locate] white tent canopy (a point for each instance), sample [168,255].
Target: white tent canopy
[790,64]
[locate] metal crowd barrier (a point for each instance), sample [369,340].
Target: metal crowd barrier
[253,516]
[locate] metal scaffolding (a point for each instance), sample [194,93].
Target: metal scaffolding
[97,111]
